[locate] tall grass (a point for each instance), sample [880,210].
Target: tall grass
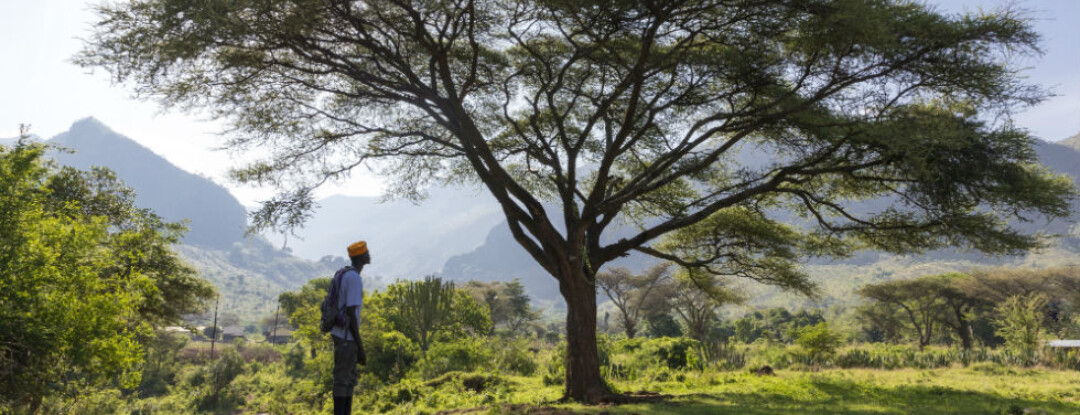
[875,356]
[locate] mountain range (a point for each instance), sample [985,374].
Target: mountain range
[248,271]
[407,240]
[458,233]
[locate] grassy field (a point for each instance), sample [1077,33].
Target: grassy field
[981,389]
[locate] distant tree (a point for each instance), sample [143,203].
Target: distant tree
[508,304]
[1019,322]
[1060,286]
[161,368]
[665,113]
[423,309]
[919,302]
[745,330]
[310,295]
[696,298]
[881,322]
[960,306]
[819,341]
[662,324]
[632,294]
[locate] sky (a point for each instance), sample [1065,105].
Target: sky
[39,86]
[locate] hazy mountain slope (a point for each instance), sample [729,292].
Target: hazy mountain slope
[249,272]
[1060,157]
[217,219]
[1071,142]
[406,240]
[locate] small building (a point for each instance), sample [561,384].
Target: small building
[199,334]
[177,329]
[280,336]
[179,332]
[1067,344]
[228,334]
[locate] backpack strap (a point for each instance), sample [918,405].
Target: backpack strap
[335,284]
[335,287]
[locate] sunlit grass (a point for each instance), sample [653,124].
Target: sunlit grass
[983,389]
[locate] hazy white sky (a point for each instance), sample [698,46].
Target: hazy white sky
[39,86]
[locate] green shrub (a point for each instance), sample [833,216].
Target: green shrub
[390,355]
[1019,322]
[554,366]
[819,341]
[718,356]
[294,360]
[465,355]
[514,357]
[160,365]
[670,352]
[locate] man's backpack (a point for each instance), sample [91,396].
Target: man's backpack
[332,315]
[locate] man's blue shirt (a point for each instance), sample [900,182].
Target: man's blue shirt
[351,294]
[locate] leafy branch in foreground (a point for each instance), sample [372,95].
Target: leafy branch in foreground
[84,277]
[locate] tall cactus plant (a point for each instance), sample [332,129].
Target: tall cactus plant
[424,307]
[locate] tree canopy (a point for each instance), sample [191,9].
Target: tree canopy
[882,124]
[84,277]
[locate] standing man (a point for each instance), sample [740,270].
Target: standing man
[348,352]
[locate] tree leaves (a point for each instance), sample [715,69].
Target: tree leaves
[84,276]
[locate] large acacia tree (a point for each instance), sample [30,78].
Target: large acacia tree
[702,119]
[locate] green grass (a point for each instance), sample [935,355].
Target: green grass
[974,390]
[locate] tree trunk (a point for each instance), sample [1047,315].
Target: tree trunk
[963,329]
[583,381]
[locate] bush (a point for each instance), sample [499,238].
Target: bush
[554,366]
[294,360]
[209,385]
[514,357]
[1019,322]
[160,365]
[466,355]
[819,342]
[670,352]
[390,355]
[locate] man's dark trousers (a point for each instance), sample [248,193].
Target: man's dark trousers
[345,374]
